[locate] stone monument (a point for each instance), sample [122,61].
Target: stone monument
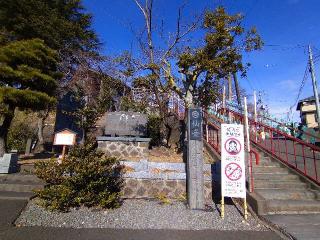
[126,124]
[125,135]
[195,178]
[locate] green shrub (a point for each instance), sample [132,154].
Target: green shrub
[153,129]
[20,130]
[86,177]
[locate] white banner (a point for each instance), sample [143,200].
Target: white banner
[233,180]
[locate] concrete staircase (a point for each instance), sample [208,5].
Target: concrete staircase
[18,186]
[279,190]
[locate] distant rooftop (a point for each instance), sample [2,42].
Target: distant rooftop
[308,99]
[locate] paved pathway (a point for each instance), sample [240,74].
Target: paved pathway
[300,226]
[10,209]
[36,233]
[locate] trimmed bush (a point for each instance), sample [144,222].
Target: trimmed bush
[86,177]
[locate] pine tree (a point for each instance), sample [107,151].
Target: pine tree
[62,24]
[28,80]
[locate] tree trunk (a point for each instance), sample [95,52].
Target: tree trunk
[42,115]
[40,135]
[4,129]
[236,85]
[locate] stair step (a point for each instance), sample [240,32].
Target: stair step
[293,206]
[279,184]
[269,169]
[286,194]
[10,195]
[19,187]
[269,161]
[21,178]
[27,168]
[275,176]
[266,163]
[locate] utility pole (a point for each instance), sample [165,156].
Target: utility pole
[230,95]
[236,85]
[315,87]
[224,98]
[255,113]
[229,88]
[255,105]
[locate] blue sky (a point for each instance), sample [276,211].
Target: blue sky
[286,27]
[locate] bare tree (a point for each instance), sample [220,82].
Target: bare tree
[157,59]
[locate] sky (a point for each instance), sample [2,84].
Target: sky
[287,27]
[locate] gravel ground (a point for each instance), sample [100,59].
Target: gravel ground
[141,214]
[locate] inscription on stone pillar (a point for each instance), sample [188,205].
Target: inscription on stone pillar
[195,178]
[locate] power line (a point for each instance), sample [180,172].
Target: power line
[286,47]
[250,84]
[305,76]
[317,50]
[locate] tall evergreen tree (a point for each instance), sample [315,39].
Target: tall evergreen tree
[62,24]
[28,80]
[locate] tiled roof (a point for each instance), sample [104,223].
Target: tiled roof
[308,99]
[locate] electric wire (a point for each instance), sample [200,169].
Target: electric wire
[304,79]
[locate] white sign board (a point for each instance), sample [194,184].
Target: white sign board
[233,181]
[65,137]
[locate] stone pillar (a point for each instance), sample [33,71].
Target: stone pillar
[28,147]
[195,178]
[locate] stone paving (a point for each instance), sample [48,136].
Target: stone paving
[300,226]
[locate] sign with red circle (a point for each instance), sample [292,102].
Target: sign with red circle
[232,146]
[233,171]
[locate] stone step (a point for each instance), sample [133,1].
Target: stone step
[27,168]
[14,187]
[10,195]
[273,176]
[21,178]
[262,184]
[286,194]
[262,163]
[269,169]
[266,163]
[293,206]
[266,159]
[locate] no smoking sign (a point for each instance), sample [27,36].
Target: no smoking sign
[233,171]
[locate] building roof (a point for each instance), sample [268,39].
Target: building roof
[308,99]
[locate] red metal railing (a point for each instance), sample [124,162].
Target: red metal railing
[290,128]
[295,153]
[212,132]
[257,158]
[212,136]
[273,123]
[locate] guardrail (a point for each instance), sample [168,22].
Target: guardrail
[212,136]
[274,123]
[257,158]
[295,153]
